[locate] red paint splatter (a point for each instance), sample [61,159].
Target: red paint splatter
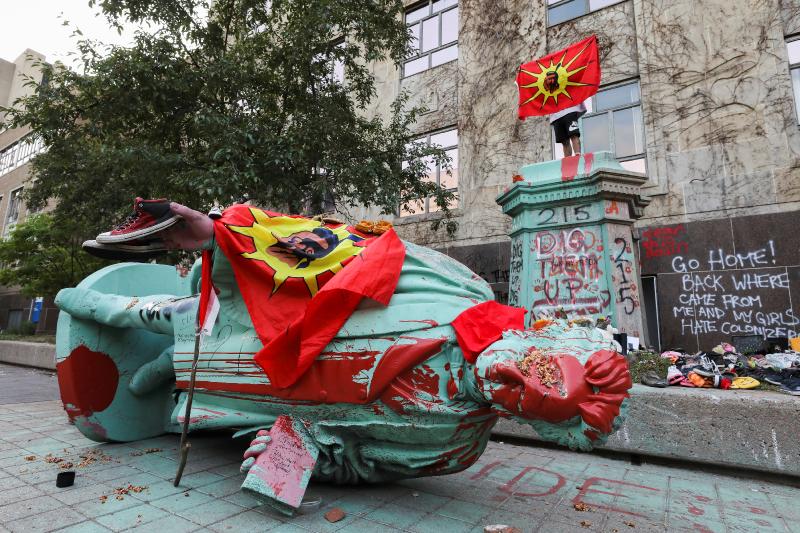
[452,388]
[588,160]
[695,510]
[569,167]
[431,323]
[704,499]
[88,382]
[398,359]
[757,510]
[425,379]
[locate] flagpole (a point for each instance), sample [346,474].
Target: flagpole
[185,444]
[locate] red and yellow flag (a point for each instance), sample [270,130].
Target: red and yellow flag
[301,279]
[559,80]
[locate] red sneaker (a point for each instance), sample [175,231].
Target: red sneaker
[148,217]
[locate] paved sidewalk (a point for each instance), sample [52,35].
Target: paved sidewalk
[531,488]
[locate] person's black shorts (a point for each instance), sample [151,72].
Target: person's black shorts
[566,127]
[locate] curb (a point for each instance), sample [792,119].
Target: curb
[35,354]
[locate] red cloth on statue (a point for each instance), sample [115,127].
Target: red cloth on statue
[301,280]
[481,325]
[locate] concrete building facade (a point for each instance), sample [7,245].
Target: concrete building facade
[17,147]
[701,96]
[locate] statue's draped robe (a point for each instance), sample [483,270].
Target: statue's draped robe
[416,410]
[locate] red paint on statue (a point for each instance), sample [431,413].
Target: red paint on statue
[425,379]
[569,167]
[572,394]
[452,388]
[400,358]
[88,382]
[331,378]
[431,323]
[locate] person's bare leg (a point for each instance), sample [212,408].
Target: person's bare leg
[192,233]
[576,144]
[567,149]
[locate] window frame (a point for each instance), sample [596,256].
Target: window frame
[427,200]
[794,67]
[609,112]
[8,225]
[19,153]
[428,53]
[587,9]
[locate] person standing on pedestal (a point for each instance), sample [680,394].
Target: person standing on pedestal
[565,122]
[557,85]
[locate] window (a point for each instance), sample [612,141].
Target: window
[793,48]
[559,11]
[448,140]
[12,215]
[434,27]
[19,153]
[613,121]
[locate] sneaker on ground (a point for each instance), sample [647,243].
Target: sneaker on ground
[791,386]
[136,250]
[148,217]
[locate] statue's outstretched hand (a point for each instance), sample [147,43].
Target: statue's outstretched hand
[257,447]
[194,232]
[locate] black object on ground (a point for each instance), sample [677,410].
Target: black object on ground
[749,344]
[652,379]
[65,479]
[622,339]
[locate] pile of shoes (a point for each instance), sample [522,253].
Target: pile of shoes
[725,368]
[134,239]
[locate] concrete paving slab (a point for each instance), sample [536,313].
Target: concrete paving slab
[534,489]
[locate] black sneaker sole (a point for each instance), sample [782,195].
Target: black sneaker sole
[107,238]
[125,252]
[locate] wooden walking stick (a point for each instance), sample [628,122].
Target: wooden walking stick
[185,444]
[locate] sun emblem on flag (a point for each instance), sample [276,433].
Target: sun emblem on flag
[298,247]
[552,81]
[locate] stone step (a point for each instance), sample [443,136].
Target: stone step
[756,430]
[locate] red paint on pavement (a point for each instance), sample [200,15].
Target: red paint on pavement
[509,487]
[586,488]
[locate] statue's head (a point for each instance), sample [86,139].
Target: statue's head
[566,381]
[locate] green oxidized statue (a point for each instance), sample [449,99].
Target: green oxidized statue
[391,395]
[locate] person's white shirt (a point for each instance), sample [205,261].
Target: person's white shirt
[580,108]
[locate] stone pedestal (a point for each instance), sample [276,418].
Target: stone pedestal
[571,239]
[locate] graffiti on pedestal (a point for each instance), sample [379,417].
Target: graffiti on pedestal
[567,272]
[515,273]
[624,280]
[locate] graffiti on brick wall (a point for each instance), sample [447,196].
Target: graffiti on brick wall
[567,272]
